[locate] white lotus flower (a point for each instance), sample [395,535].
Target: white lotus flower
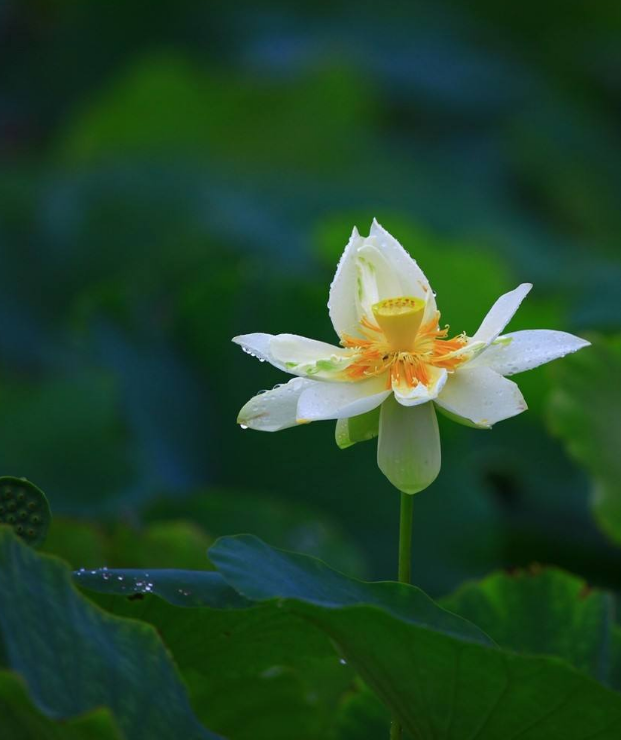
[395,365]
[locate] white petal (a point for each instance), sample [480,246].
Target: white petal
[324,400]
[421,393]
[408,450]
[342,303]
[257,345]
[524,350]
[481,396]
[369,271]
[302,356]
[500,314]
[296,355]
[274,410]
[411,278]
[377,278]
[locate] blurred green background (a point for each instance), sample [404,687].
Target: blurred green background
[174,174]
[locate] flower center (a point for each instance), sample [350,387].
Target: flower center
[399,319]
[401,345]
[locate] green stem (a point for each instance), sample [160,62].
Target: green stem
[405,568]
[405,538]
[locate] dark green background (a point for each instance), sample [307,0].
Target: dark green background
[174,174]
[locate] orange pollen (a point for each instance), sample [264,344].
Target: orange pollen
[374,356]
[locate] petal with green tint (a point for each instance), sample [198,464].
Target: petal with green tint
[408,450]
[276,409]
[481,396]
[357,428]
[525,350]
[323,400]
[301,356]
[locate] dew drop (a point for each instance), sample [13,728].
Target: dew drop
[243,426]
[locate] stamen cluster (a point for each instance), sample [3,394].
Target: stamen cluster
[431,347]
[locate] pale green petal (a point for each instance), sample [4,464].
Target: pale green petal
[308,357]
[524,350]
[421,393]
[276,409]
[481,396]
[357,428]
[408,450]
[324,400]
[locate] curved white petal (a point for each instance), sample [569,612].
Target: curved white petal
[301,356]
[500,314]
[412,279]
[369,271]
[481,396]
[295,354]
[524,350]
[407,396]
[323,400]
[276,409]
[257,345]
[342,303]
[408,450]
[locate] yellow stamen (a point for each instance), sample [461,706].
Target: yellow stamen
[401,346]
[399,319]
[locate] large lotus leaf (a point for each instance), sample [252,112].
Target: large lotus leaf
[251,664]
[179,587]
[361,716]
[75,658]
[258,673]
[585,411]
[436,681]
[438,673]
[22,721]
[542,612]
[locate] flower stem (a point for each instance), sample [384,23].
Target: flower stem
[405,538]
[405,567]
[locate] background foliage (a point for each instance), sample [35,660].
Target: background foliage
[176,174]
